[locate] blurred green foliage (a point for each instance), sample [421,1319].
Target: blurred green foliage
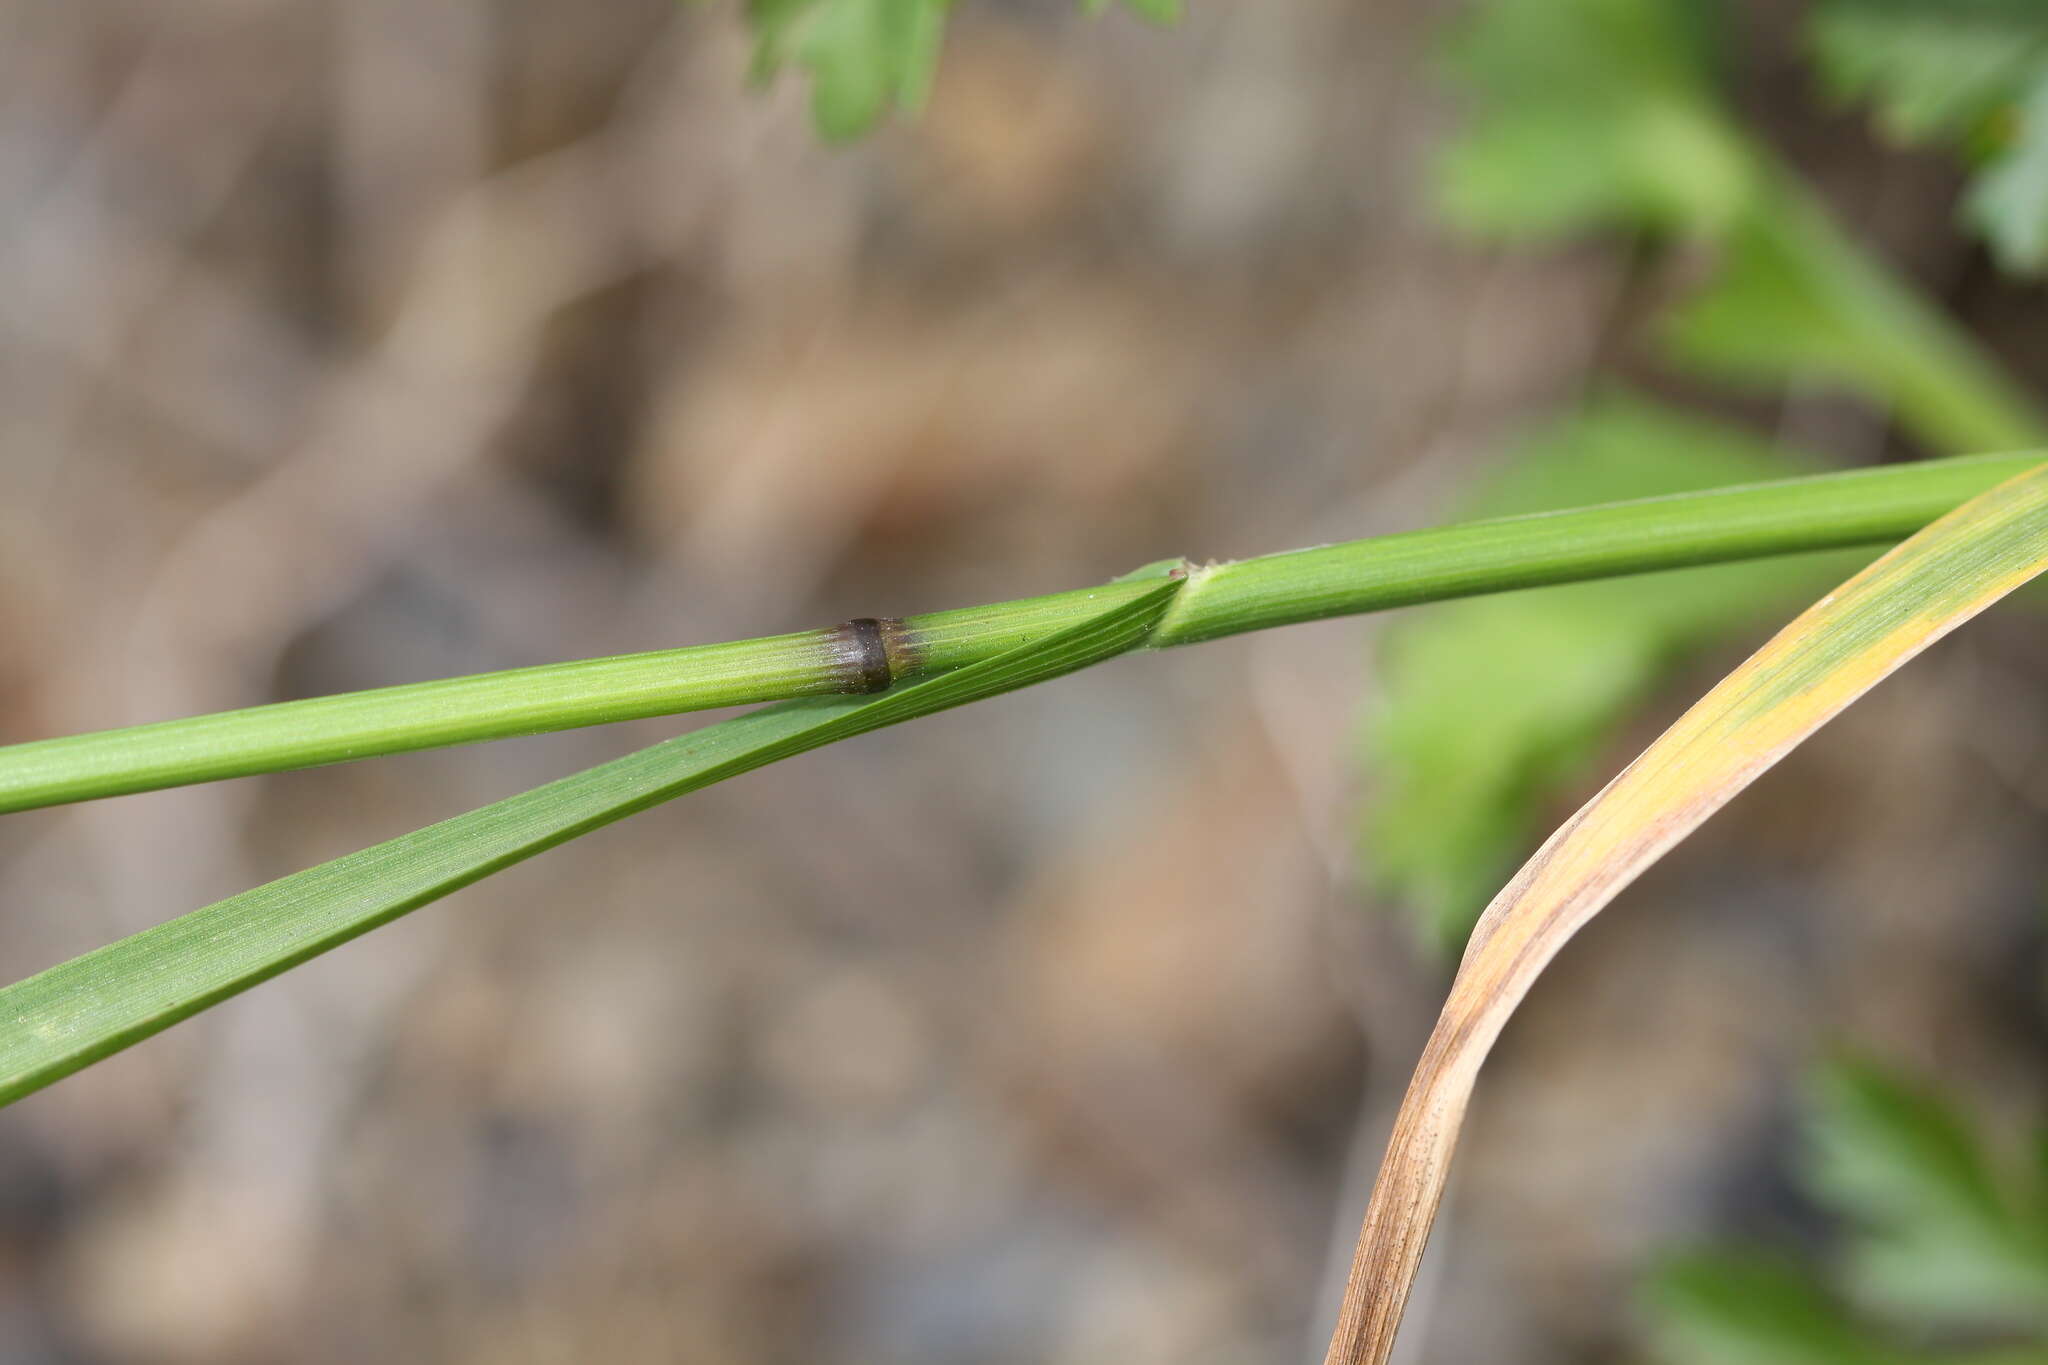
[863,56]
[1944,1256]
[866,57]
[1943,1233]
[1608,115]
[1969,74]
[1493,703]
[1585,114]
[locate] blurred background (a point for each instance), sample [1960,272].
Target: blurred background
[351,344]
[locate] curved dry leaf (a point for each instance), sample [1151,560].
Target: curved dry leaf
[1832,654]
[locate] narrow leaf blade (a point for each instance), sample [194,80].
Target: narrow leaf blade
[1827,658]
[72,1015]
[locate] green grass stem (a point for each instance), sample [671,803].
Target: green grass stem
[74,1014]
[1861,507]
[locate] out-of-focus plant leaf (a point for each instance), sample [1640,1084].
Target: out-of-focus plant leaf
[1944,1242]
[1588,114]
[1894,1155]
[1942,1234]
[1794,300]
[864,56]
[1604,114]
[1970,73]
[1930,68]
[867,57]
[2008,204]
[1490,704]
[1724,1309]
[1766,316]
[1158,11]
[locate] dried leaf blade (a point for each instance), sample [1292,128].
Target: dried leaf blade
[1824,660]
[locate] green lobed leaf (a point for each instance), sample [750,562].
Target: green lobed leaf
[1722,1309]
[74,1014]
[1941,1233]
[866,58]
[2008,204]
[1889,1154]
[1603,114]
[1969,73]
[1929,68]
[1945,1242]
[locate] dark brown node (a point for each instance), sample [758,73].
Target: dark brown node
[869,653]
[902,647]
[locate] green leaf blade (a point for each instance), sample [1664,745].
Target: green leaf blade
[92,1006]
